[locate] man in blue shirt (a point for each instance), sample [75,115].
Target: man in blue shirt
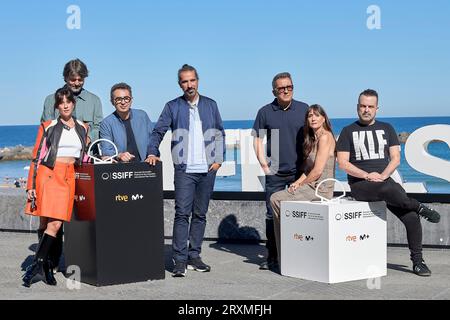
[198,150]
[129,129]
[282,122]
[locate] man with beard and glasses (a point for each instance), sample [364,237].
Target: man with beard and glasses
[88,109]
[198,150]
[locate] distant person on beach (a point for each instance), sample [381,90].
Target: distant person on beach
[368,150]
[198,150]
[319,164]
[128,128]
[59,145]
[281,121]
[88,110]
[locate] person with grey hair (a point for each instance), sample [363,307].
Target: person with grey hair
[88,110]
[88,105]
[128,128]
[281,121]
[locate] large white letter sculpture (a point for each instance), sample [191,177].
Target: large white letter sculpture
[417,155]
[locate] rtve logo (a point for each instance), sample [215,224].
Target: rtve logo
[355,238]
[300,237]
[121,198]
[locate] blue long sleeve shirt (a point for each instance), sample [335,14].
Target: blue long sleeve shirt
[112,128]
[175,116]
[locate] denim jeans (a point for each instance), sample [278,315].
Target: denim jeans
[192,194]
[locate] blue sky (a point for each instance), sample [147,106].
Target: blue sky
[237,47]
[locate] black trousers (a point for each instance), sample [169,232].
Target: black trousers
[399,204]
[274,184]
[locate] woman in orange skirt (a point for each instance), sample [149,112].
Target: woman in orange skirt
[60,144]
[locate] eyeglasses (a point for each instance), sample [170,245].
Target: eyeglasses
[283,89]
[120,99]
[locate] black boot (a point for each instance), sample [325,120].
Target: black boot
[54,254]
[49,276]
[35,272]
[40,233]
[272,254]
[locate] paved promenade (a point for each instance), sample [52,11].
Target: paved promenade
[234,276]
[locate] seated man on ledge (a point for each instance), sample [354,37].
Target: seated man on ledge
[369,152]
[123,126]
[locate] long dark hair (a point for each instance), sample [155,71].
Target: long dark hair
[308,132]
[61,93]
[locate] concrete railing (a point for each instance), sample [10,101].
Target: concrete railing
[228,219]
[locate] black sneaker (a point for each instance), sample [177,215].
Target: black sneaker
[429,214]
[421,269]
[179,269]
[198,265]
[264,265]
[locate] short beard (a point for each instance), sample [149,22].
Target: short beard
[76,91]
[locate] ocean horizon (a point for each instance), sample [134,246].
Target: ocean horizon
[25,135]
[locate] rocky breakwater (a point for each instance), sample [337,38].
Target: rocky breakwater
[16,153]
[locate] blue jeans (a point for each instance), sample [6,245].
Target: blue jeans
[192,194]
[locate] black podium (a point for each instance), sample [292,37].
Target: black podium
[116,234]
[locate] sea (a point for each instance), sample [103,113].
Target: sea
[25,135]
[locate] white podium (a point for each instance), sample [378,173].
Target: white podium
[333,241]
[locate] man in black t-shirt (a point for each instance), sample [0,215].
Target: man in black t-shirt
[282,122]
[369,152]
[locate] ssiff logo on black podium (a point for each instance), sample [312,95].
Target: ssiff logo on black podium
[117,175]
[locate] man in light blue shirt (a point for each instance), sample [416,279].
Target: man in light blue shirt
[196,161]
